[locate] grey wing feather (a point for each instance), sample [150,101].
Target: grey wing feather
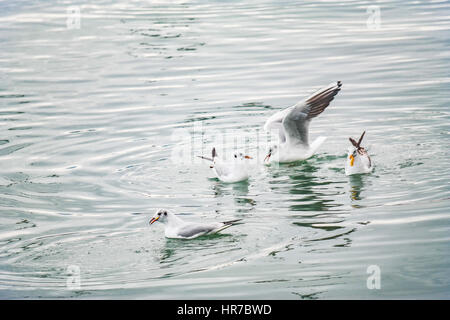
[296,126]
[318,102]
[192,230]
[296,122]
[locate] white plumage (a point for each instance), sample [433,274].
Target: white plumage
[229,171]
[293,126]
[177,228]
[358,160]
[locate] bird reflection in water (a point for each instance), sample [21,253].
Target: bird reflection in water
[238,190]
[356,186]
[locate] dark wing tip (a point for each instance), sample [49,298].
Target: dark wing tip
[353,142]
[360,139]
[205,158]
[232,221]
[319,101]
[214,153]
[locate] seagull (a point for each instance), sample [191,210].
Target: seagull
[235,170]
[293,127]
[179,229]
[358,160]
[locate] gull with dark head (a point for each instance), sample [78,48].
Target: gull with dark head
[177,228]
[233,170]
[358,160]
[293,126]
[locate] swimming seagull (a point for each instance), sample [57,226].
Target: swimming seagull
[293,126]
[179,229]
[358,160]
[235,170]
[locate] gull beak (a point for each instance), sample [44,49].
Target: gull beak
[352,160]
[153,220]
[248,157]
[267,157]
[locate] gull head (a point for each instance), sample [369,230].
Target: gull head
[241,156]
[161,215]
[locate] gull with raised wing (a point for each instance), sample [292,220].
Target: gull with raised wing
[179,229]
[358,160]
[293,126]
[234,170]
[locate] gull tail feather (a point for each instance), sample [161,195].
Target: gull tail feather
[231,222]
[227,224]
[205,158]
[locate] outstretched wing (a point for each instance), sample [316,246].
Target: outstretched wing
[296,121]
[275,122]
